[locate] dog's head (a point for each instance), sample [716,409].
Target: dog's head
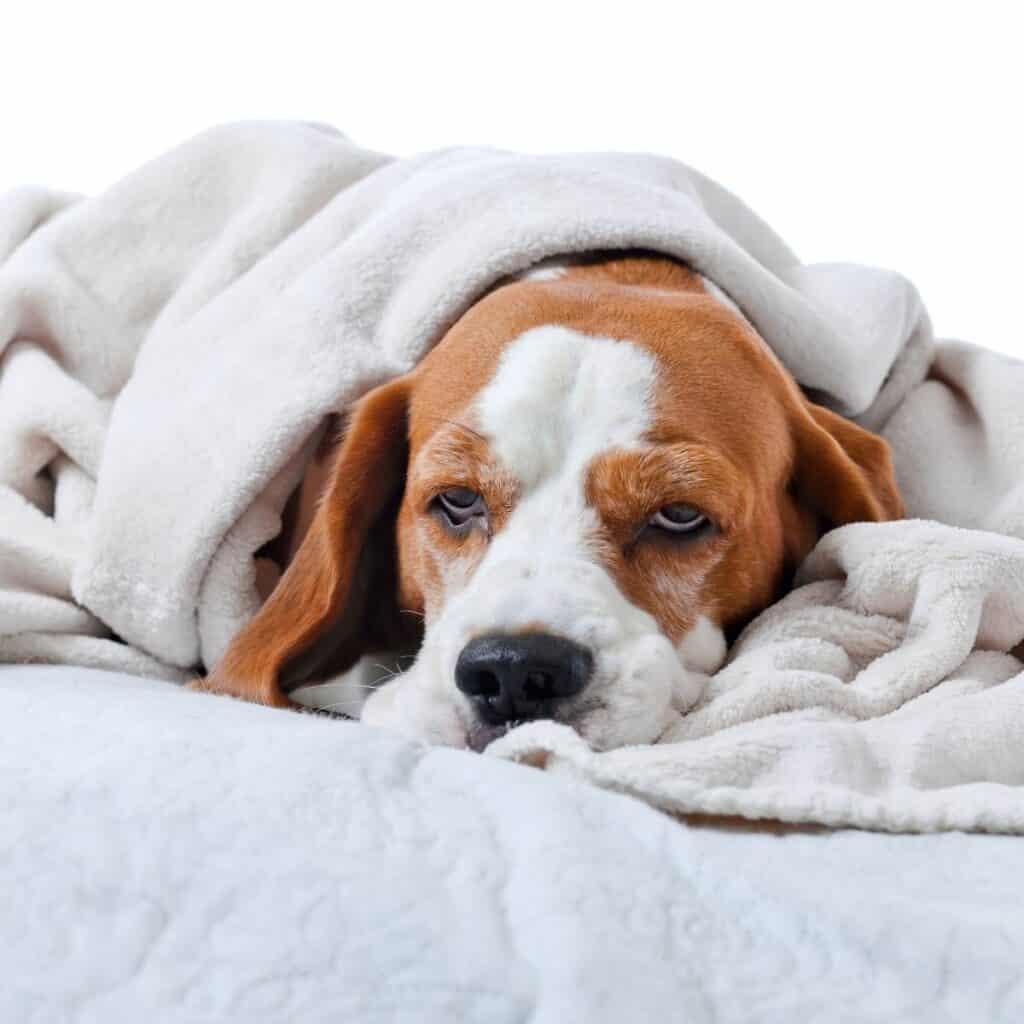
[592,480]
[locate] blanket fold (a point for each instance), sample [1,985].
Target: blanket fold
[169,349]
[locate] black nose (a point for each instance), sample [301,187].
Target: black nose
[521,676]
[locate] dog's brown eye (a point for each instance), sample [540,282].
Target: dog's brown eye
[458,505]
[679,519]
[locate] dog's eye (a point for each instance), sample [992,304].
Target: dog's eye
[458,505]
[679,519]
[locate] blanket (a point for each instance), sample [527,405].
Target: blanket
[219,861]
[170,348]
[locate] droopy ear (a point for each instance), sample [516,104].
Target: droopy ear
[843,472]
[337,598]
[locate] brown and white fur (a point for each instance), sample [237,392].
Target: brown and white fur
[577,402]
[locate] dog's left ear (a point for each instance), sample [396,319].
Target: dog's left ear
[336,601]
[843,472]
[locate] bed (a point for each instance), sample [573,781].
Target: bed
[170,856]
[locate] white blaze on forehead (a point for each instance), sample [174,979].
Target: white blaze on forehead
[559,398]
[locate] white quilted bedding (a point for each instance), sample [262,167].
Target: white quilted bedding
[166,856]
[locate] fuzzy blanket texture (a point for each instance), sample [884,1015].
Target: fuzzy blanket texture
[169,349]
[291,868]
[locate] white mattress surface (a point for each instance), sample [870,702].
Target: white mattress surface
[169,856]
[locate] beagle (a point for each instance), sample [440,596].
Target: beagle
[598,475]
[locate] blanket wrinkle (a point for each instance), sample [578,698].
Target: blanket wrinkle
[170,348]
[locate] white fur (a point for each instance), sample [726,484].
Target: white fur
[546,270]
[557,400]
[703,648]
[346,693]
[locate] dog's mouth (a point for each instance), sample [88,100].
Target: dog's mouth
[481,735]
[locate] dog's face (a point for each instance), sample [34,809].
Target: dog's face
[600,475]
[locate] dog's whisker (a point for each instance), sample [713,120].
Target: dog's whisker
[348,709]
[389,673]
[362,687]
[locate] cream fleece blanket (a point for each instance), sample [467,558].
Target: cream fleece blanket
[169,348]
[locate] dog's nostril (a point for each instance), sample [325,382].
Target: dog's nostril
[521,676]
[486,685]
[537,686]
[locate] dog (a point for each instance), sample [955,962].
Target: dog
[567,510]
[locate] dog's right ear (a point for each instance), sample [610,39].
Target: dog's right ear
[842,474]
[336,600]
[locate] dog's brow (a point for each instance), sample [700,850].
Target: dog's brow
[630,479]
[459,426]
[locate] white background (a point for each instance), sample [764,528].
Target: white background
[882,132]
